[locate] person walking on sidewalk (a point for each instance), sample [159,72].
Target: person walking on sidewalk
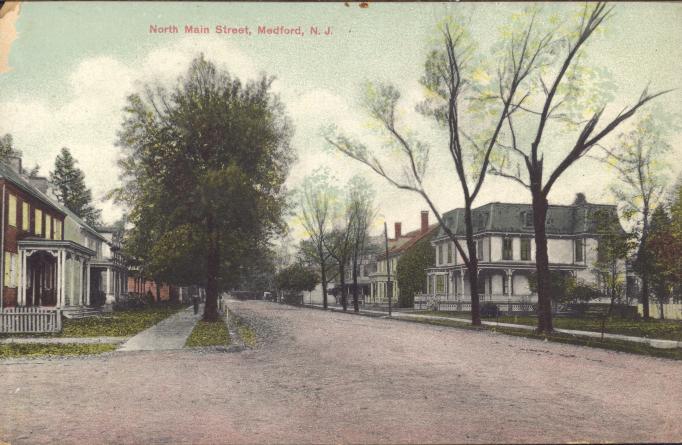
[195,302]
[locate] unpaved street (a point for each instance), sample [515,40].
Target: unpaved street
[330,377]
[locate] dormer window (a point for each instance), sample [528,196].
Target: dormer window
[527,218]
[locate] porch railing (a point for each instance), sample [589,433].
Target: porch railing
[30,320]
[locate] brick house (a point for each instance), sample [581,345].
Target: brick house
[506,249]
[46,250]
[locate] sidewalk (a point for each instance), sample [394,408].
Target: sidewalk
[656,343]
[170,333]
[63,340]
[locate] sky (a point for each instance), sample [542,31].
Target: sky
[71,66]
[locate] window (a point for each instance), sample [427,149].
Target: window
[25,217]
[57,229]
[525,249]
[48,227]
[527,218]
[440,284]
[438,254]
[504,285]
[507,253]
[38,223]
[579,253]
[12,211]
[449,252]
[479,249]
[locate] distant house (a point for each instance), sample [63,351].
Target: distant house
[397,246]
[505,247]
[109,267]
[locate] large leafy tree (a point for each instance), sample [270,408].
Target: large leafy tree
[663,257]
[204,167]
[68,183]
[294,280]
[566,99]
[455,99]
[642,179]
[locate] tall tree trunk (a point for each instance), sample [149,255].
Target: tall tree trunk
[540,207]
[356,305]
[157,284]
[212,266]
[472,267]
[645,295]
[645,268]
[344,296]
[323,279]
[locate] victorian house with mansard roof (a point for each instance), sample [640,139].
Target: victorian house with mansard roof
[50,256]
[506,249]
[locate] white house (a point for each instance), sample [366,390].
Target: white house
[397,246]
[506,250]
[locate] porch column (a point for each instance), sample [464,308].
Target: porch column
[461,282]
[87,283]
[509,282]
[62,277]
[110,297]
[81,267]
[21,298]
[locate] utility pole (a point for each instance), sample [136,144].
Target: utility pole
[389,287]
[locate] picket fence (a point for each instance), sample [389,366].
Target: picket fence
[30,320]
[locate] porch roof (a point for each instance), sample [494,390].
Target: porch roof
[108,264]
[510,265]
[47,244]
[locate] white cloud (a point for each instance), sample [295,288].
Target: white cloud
[87,118]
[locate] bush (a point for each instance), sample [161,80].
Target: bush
[292,298]
[411,271]
[489,310]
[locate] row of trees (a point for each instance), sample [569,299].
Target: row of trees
[498,118]
[337,227]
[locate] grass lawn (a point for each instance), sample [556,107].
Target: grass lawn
[32,349]
[247,334]
[123,323]
[120,323]
[614,345]
[208,334]
[660,329]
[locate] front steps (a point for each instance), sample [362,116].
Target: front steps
[72,312]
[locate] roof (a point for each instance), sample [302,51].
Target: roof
[499,217]
[406,241]
[8,173]
[80,222]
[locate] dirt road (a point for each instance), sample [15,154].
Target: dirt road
[333,378]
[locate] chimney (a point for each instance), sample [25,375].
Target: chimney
[425,221]
[14,161]
[398,230]
[39,182]
[579,199]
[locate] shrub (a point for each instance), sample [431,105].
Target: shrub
[489,310]
[411,271]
